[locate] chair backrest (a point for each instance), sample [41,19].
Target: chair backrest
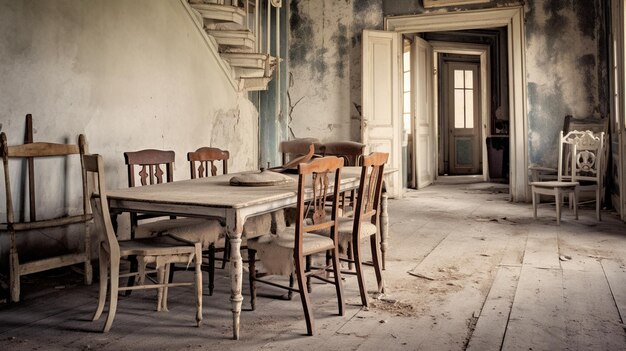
[350,151]
[34,151]
[298,147]
[587,155]
[370,187]
[150,166]
[94,171]
[202,162]
[316,175]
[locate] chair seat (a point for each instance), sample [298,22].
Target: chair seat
[276,251]
[204,231]
[554,184]
[156,246]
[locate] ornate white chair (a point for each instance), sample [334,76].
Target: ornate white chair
[583,170]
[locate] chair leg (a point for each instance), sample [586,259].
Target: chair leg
[356,253]
[377,262]
[291,282]
[198,262]
[598,204]
[14,268]
[252,277]
[211,269]
[338,284]
[350,256]
[160,280]
[559,199]
[535,198]
[167,275]
[133,268]
[87,265]
[104,281]
[574,196]
[309,288]
[114,283]
[304,295]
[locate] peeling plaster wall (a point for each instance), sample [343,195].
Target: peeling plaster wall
[566,64]
[325,66]
[129,75]
[566,69]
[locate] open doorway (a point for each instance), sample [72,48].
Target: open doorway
[511,115]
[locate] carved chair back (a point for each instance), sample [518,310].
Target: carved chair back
[145,167]
[202,162]
[316,174]
[587,155]
[370,187]
[150,166]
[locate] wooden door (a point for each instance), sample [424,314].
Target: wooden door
[381,123]
[462,117]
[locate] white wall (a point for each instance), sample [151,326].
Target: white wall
[128,74]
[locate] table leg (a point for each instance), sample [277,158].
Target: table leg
[384,228]
[236,274]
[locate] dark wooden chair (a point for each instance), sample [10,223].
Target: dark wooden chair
[202,162]
[152,166]
[30,152]
[351,151]
[285,253]
[160,251]
[299,147]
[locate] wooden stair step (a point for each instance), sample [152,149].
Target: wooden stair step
[240,39]
[216,13]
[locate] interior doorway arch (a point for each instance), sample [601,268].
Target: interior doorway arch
[512,19]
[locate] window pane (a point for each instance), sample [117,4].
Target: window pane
[407,102]
[459,108]
[407,122]
[406,61]
[407,81]
[469,79]
[458,79]
[469,109]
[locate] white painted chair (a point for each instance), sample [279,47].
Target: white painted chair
[584,169]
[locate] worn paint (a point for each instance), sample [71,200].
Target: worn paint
[325,54]
[129,75]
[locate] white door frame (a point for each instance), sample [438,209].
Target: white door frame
[482,51]
[513,19]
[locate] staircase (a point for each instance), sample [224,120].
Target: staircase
[235,26]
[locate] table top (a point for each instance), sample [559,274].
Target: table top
[217,191]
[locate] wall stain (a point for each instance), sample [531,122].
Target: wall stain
[341,40]
[586,16]
[302,29]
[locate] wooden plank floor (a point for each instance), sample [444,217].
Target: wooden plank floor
[466,270]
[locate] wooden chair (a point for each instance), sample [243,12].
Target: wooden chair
[285,253]
[298,147]
[585,163]
[13,225]
[364,222]
[152,166]
[352,152]
[160,251]
[206,157]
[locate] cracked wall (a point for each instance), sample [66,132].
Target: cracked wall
[130,75]
[325,66]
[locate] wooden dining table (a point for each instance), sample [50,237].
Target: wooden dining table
[214,197]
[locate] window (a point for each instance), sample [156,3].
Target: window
[406,90]
[463,98]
